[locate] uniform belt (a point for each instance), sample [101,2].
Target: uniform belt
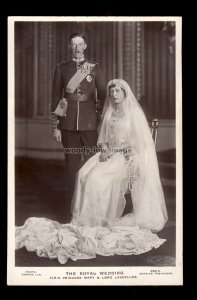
[77,97]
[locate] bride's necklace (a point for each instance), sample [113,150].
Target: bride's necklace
[117,115]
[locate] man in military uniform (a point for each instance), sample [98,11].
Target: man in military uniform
[79,81]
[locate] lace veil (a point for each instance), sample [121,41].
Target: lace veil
[149,209]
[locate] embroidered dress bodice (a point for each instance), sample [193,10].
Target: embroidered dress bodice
[118,136]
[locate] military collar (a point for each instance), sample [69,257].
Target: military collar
[78,59]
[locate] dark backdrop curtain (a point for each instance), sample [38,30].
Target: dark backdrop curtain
[159,72]
[138,52]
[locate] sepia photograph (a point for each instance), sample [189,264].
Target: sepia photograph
[95,151]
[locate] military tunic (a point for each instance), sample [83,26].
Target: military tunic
[81,112]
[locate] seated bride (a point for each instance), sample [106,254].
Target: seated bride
[126,160]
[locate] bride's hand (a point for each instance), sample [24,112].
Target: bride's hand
[105,153]
[103,157]
[128,154]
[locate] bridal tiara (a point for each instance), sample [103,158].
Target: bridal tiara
[117,82]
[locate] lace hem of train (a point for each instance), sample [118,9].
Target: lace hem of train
[63,241]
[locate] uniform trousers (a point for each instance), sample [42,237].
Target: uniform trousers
[79,146]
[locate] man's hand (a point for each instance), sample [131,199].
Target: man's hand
[57,135]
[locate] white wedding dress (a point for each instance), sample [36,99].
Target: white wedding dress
[97,226]
[98,204]
[100,186]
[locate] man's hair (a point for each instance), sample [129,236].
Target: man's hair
[77,34]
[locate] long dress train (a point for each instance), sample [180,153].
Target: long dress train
[96,227]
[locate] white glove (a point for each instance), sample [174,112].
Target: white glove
[57,135]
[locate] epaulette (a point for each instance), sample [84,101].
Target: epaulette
[65,62]
[92,62]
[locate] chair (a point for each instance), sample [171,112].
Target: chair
[154,124]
